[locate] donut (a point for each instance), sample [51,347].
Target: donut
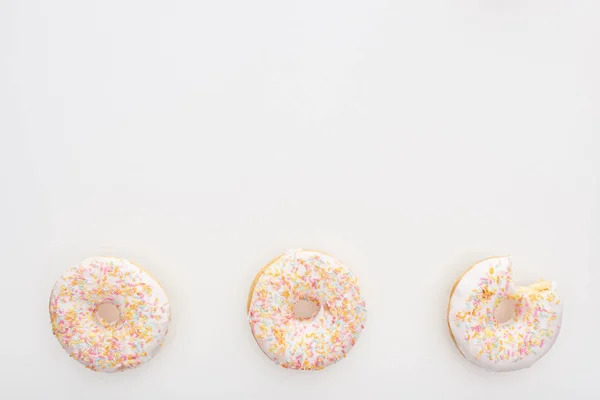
[109,314]
[316,339]
[497,325]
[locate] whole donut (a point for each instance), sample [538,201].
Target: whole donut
[103,345]
[499,346]
[312,343]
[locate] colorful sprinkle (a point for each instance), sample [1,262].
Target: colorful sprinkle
[511,345]
[313,343]
[144,314]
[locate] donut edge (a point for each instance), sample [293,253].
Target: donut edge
[256,278]
[452,294]
[263,269]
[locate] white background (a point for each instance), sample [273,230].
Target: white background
[200,139]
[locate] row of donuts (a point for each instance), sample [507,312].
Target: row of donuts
[305,311]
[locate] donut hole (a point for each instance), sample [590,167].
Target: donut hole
[108,312]
[306,308]
[505,310]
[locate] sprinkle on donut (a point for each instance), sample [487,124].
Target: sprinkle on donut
[524,338]
[316,342]
[143,308]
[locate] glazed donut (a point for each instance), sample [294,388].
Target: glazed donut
[484,336]
[317,340]
[100,341]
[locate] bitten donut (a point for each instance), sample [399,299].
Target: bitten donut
[109,314]
[496,342]
[314,341]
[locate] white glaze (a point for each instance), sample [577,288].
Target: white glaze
[313,343]
[515,344]
[101,346]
